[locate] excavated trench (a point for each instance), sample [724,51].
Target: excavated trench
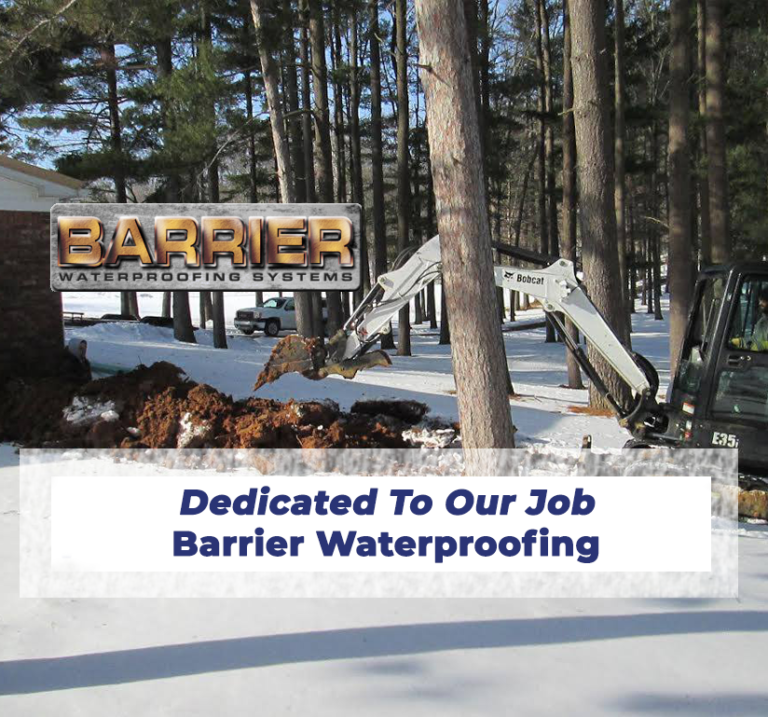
[159,407]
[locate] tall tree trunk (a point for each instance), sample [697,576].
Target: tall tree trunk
[403,178]
[379,220]
[644,256]
[445,327]
[431,306]
[164,51]
[338,107]
[595,180]
[252,176]
[470,8]
[716,148]
[109,61]
[634,256]
[569,186]
[649,294]
[217,310]
[484,66]
[217,297]
[206,305]
[219,320]
[358,194]
[701,178]
[418,233]
[420,228]
[431,231]
[680,247]
[269,70]
[523,195]
[479,368]
[549,142]
[129,303]
[295,139]
[324,166]
[476,21]
[165,311]
[310,194]
[656,234]
[541,108]
[549,109]
[619,152]
[202,311]
[182,318]
[542,131]
[306,104]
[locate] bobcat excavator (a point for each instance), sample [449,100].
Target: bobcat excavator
[718,397]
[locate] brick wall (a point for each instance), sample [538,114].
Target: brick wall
[31,332]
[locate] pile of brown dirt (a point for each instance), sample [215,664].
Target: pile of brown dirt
[158,407]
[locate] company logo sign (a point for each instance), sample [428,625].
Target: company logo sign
[193,247]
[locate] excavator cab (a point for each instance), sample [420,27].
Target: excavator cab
[719,396]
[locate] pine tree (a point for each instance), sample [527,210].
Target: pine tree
[591,113]
[481,375]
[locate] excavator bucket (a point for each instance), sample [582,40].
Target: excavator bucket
[349,368]
[295,354]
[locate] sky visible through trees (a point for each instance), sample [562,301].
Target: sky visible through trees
[195,123]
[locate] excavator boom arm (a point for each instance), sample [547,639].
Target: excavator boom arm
[555,286]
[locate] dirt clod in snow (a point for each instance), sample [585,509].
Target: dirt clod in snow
[407,411]
[159,407]
[589,411]
[753,504]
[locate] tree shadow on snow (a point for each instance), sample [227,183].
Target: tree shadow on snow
[164,661]
[753,705]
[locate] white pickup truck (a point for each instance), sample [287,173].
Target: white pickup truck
[273,316]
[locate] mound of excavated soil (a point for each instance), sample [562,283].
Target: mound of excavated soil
[159,407]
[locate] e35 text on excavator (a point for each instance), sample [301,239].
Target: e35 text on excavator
[717,398]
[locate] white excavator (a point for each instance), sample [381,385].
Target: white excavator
[718,396]
[555,286]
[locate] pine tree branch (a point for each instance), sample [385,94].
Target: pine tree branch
[227,141]
[40,24]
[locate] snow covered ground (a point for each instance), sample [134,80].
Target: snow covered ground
[541,413]
[379,657]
